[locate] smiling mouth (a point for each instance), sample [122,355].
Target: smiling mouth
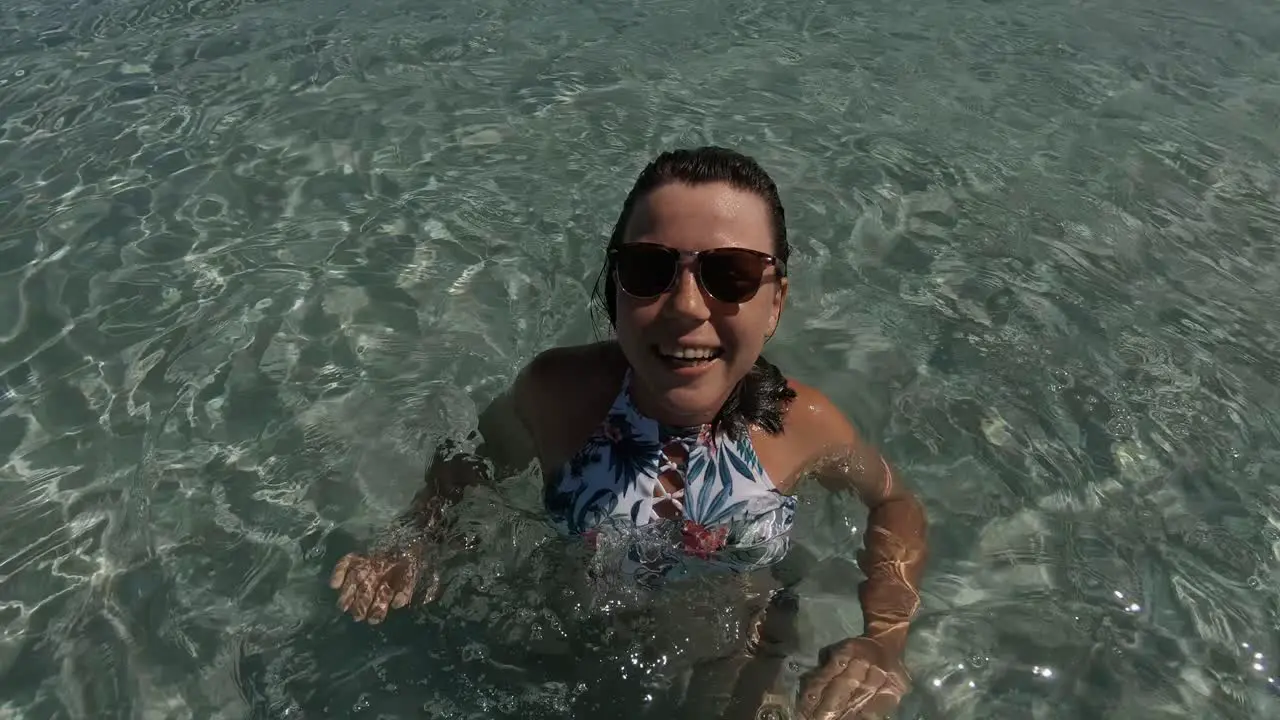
[683,356]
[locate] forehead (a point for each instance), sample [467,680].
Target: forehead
[701,217]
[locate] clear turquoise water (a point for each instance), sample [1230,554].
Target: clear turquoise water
[256,259]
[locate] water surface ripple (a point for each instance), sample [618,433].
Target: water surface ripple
[258,258]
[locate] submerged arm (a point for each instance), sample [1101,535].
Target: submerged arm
[370,585]
[506,447]
[864,676]
[895,546]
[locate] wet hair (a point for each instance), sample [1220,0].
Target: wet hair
[762,396]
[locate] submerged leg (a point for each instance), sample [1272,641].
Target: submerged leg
[773,638]
[743,686]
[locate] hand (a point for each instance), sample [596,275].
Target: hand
[858,678]
[369,586]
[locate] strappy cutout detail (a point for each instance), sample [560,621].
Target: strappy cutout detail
[673,459]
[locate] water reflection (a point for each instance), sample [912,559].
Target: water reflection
[256,258]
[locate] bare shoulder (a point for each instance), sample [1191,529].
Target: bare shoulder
[832,447]
[561,374]
[815,425]
[814,431]
[563,393]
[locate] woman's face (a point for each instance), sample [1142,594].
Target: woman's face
[653,332]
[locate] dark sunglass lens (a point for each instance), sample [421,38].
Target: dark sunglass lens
[645,271]
[732,276]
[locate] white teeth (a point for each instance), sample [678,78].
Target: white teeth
[687,353]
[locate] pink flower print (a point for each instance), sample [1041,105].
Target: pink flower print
[591,539]
[701,541]
[707,440]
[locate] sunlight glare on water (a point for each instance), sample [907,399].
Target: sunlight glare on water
[258,258]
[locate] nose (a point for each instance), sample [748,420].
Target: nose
[687,299]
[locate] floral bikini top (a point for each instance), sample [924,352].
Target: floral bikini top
[717,504]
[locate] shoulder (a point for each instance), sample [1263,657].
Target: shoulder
[815,428]
[825,442]
[563,374]
[814,432]
[562,394]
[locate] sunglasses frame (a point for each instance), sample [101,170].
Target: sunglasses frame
[686,258]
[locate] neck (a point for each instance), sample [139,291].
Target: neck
[649,406]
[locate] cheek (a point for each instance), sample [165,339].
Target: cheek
[747,329]
[633,316]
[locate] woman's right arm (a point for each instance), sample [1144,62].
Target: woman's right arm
[507,447]
[371,584]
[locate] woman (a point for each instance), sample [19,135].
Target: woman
[680,424]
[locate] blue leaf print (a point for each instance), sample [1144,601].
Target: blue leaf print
[713,513]
[708,507]
[724,470]
[742,467]
[591,507]
[584,457]
[697,463]
[631,454]
[704,487]
[725,515]
[748,453]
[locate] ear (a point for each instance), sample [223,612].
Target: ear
[775,311]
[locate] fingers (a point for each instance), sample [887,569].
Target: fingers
[881,705]
[832,660]
[347,595]
[340,571]
[847,686]
[884,692]
[816,688]
[402,598]
[357,583]
[862,687]
[380,604]
[368,588]
[847,691]
[367,582]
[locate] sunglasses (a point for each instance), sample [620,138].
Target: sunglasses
[730,274]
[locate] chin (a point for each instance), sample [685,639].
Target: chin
[692,403]
[698,399]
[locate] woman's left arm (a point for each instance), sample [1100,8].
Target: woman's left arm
[895,546]
[865,674]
